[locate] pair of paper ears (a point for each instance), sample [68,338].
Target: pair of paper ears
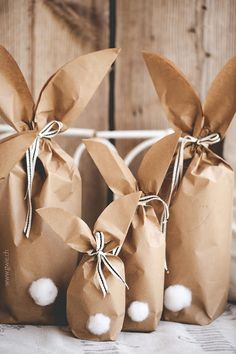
[68,91]
[114,222]
[151,172]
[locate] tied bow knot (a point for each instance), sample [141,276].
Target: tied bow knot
[103,260]
[49,131]
[210,139]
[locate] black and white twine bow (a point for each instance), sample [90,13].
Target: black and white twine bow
[164,216]
[210,139]
[102,259]
[49,131]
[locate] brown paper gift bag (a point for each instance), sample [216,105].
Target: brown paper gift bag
[143,252]
[199,228]
[29,250]
[96,294]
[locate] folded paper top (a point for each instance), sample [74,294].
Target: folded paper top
[106,239]
[113,223]
[181,103]
[63,97]
[151,172]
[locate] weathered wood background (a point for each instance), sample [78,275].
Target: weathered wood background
[198,35]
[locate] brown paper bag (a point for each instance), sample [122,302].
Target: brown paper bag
[29,250]
[143,252]
[199,228]
[96,294]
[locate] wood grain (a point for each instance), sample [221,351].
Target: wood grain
[41,40]
[15,32]
[156,26]
[219,39]
[55,43]
[199,36]
[15,19]
[218,43]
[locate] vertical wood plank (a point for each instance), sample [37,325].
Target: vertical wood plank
[219,39]
[64,30]
[159,26]
[199,36]
[219,43]
[55,43]
[16,18]
[15,32]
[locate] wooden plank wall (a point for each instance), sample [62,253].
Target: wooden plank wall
[198,35]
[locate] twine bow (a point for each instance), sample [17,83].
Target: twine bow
[164,216]
[102,259]
[210,139]
[49,131]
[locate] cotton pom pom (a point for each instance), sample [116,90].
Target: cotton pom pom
[138,311]
[43,291]
[98,324]
[177,297]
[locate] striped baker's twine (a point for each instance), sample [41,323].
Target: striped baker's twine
[49,131]
[103,260]
[179,160]
[164,216]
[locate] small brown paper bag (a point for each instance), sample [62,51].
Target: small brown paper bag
[199,228]
[35,172]
[96,294]
[143,252]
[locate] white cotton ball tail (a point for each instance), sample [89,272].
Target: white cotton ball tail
[177,297]
[138,311]
[43,291]
[98,324]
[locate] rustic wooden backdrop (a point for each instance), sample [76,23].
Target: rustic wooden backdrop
[198,35]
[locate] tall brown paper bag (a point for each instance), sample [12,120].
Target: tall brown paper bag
[199,228]
[96,294]
[143,252]
[29,250]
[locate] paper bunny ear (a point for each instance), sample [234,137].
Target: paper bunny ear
[69,90]
[156,162]
[220,105]
[12,150]
[116,218]
[178,98]
[111,166]
[73,230]
[16,103]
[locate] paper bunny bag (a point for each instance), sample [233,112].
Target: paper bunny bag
[199,228]
[143,252]
[96,294]
[35,172]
